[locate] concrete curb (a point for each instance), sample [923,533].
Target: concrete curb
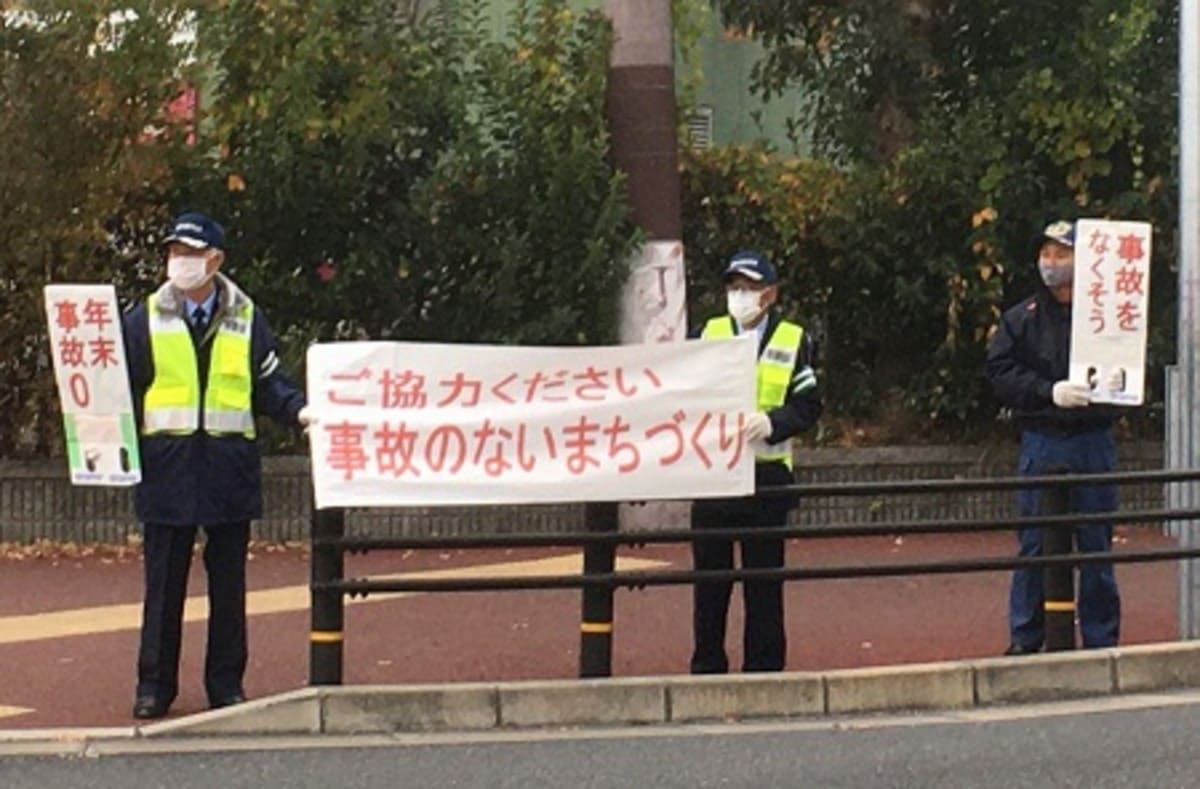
[466,707]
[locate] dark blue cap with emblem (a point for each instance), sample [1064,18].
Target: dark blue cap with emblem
[1061,231]
[197,231]
[753,266]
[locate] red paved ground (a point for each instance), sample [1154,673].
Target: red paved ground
[88,680]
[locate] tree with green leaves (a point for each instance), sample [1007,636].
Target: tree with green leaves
[385,170]
[962,128]
[84,169]
[448,185]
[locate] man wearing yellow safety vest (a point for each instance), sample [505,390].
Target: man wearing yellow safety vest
[788,403]
[202,365]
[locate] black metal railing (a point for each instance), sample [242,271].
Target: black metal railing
[599,580]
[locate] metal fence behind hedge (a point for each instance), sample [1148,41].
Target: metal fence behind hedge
[37,500]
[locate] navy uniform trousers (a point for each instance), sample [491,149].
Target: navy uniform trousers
[764,640]
[1098,602]
[168,558]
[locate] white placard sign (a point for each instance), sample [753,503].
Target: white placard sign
[402,424]
[1111,309]
[93,384]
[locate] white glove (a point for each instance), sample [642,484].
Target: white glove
[757,426]
[306,418]
[1067,394]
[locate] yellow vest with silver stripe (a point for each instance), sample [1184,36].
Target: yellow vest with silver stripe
[172,402]
[774,375]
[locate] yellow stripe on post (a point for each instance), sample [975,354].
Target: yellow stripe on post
[1060,605]
[325,636]
[595,627]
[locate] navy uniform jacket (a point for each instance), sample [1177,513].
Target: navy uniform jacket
[799,411]
[200,479]
[1027,355]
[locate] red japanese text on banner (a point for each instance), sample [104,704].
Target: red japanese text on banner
[402,424]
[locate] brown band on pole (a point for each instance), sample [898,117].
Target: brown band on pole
[641,113]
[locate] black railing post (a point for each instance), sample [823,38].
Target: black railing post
[325,638]
[596,625]
[1058,579]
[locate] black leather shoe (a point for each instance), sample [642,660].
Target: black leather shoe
[149,708]
[227,701]
[1022,649]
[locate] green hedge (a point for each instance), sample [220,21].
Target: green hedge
[900,272]
[388,178]
[378,177]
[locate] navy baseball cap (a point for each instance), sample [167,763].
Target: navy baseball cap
[1061,231]
[752,266]
[197,231]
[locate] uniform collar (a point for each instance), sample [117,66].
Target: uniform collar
[209,305]
[170,300]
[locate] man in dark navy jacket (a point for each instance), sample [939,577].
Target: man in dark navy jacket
[1028,366]
[202,365]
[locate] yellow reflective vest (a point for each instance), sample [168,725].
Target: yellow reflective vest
[172,403]
[776,365]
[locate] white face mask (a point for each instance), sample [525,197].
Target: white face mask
[743,305]
[1054,275]
[187,272]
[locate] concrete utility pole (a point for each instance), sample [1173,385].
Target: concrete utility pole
[641,112]
[1183,426]
[641,120]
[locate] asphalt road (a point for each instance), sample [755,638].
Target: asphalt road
[1097,745]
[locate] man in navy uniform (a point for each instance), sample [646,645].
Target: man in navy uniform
[1028,366]
[788,403]
[202,366]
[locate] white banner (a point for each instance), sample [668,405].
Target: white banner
[93,384]
[402,424]
[1111,309]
